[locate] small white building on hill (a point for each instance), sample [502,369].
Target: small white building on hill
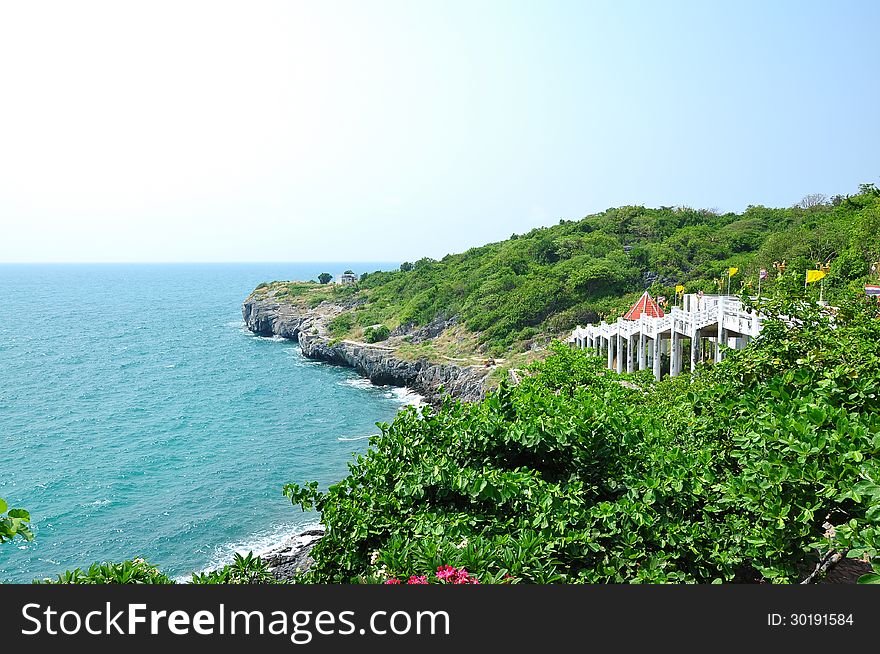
[347,278]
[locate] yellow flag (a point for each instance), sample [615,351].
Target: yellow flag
[679,289]
[732,271]
[814,276]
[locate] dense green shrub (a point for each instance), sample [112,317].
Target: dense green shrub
[341,324]
[136,571]
[374,334]
[245,569]
[751,470]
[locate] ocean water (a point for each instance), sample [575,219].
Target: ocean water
[138,417]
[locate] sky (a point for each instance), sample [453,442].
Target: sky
[378,130]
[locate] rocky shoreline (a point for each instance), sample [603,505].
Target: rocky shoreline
[293,555]
[268,316]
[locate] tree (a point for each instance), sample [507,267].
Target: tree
[348,272]
[812,200]
[325,278]
[406,266]
[869,189]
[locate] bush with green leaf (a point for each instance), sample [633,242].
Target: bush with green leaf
[136,571]
[14,522]
[751,470]
[245,569]
[376,333]
[341,324]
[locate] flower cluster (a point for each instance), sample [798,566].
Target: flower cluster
[417,579]
[446,574]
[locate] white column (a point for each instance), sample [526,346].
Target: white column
[643,354]
[695,349]
[630,359]
[610,353]
[675,354]
[656,346]
[619,352]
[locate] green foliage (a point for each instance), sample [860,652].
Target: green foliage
[341,324]
[14,522]
[730,475]
[324,278]
[374,334]
[245,569]
[871,577]
[136,571]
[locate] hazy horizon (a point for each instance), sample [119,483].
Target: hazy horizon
[215,132]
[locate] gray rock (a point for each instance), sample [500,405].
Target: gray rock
[433,329]
[267,316]
[294,555]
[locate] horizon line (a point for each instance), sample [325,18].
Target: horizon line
[187,263]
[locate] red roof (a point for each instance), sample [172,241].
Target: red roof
[645,306]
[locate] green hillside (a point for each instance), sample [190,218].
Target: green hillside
[552,278]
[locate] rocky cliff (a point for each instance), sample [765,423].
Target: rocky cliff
[269,316]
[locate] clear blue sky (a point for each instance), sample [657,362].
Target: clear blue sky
[368,130]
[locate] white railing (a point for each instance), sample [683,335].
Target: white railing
[717,317]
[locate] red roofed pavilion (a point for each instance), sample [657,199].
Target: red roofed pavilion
[646,306]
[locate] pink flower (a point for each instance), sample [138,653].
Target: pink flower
[450,575]
[392,581]
[418,579]
[446,573]
[462,577]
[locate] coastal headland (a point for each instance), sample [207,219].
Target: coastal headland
[268,311]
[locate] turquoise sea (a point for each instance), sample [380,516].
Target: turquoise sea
[138,417]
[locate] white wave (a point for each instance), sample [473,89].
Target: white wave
[275,338]
[345,439]
[407,396]
[260,544]
[359,382]
[401,394]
